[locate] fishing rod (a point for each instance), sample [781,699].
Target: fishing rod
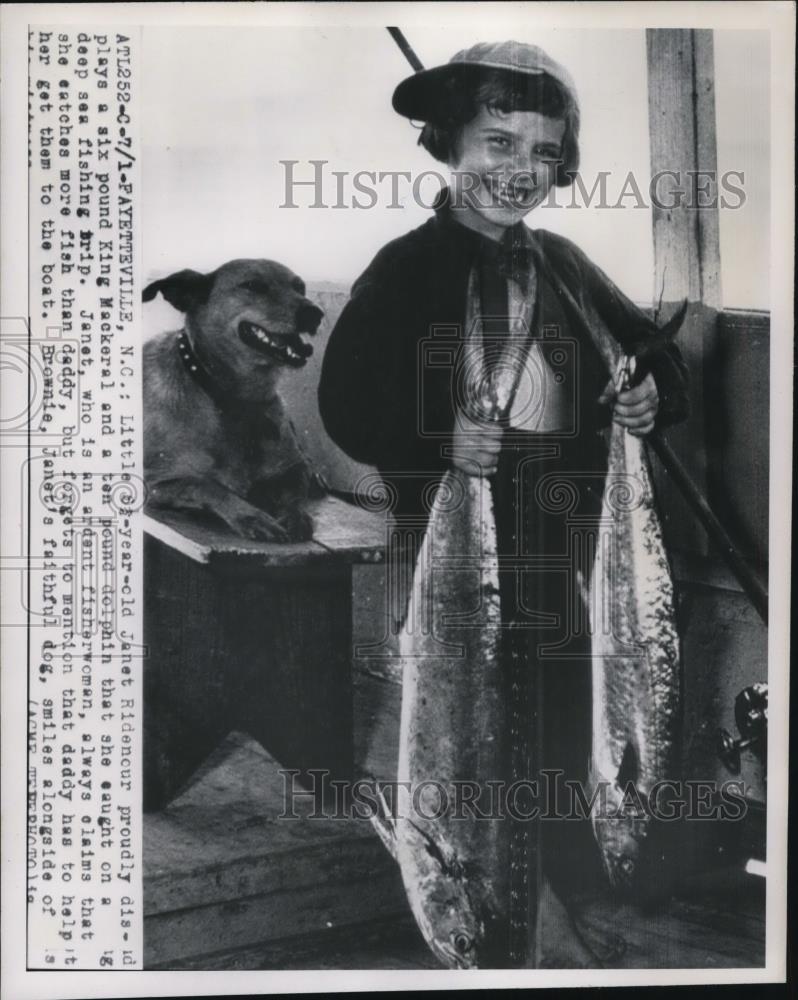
[406,48]
[748,579]
[672,464]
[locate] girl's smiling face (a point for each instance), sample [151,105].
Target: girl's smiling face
[505,166]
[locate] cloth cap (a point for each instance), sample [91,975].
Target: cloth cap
[419,96]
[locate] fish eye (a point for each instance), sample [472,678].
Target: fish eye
[462,942]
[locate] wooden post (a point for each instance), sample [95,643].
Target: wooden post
[681,100]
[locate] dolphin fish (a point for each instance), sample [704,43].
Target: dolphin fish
[455,856]
[636,680]
[635,657]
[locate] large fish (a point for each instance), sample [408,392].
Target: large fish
[635,659]
[635,646]
[451,721]
[455,863]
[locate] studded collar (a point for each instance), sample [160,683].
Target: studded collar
[222,399]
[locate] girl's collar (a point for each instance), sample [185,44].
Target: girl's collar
[517,235]
[510,256]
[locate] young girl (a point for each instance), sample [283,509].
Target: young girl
[505,119]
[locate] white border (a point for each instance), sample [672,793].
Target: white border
[779,17]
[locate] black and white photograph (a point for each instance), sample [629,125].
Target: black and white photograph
[397,464]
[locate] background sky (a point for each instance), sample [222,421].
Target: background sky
[223,106]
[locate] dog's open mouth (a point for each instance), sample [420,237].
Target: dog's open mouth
[285,348]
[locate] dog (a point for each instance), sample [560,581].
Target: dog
[216,437]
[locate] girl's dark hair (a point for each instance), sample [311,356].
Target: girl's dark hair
[464,92]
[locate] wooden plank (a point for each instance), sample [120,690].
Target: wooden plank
[676,935]
[742,489]
[755,322]
[727,890]
[341,530]
[169,937]
[389,943]
[216,547]
[683,139]
[706,218]
[224,870]
[686,245]
[223,837]
[333,860]
[173,530]
[348,530]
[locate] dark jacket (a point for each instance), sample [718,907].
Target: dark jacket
[385,394]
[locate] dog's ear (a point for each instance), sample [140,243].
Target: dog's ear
[184,290]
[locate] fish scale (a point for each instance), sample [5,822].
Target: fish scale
[466,879]
[635,659]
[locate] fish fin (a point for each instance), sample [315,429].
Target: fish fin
[384,824]
[672,327]
[647,347]
[651,343]
[629,768]
[444,855]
